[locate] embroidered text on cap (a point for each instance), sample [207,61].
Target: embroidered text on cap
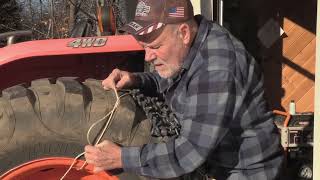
[142,9]
[135,26]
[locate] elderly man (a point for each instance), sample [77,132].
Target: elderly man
[214,87]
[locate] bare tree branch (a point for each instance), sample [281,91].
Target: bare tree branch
[32,29]
[8,27]
[87,14]
[72,11]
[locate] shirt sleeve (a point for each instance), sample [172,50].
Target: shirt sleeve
[208,110]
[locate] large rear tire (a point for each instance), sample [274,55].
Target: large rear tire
[50,118]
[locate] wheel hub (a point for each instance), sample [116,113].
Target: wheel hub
[53,169]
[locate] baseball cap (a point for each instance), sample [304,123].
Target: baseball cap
[153,14]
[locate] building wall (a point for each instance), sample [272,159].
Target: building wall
[280,34]
[316,131]
[298,75]
[196,6]
[289,64]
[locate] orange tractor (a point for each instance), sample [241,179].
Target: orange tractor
[51,95]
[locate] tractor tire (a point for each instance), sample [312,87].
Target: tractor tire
[50,118]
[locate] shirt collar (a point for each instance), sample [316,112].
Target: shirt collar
[199,39]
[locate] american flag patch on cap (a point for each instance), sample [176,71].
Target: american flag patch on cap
[176,12]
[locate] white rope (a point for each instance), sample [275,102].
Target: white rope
[110,114]
[72,164]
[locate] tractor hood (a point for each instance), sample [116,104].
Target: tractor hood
[87,57]
[71,46]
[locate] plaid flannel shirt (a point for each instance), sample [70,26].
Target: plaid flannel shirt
[218,98]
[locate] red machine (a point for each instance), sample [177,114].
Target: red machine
[40,111]
[51,94]
[91,57]
[30,81]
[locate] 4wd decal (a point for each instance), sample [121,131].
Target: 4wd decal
[88,42]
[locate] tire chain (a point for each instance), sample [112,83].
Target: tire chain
[164,121]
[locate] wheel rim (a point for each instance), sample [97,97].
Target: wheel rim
[53,169]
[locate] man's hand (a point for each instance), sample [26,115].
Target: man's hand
[104,156]
[119,79]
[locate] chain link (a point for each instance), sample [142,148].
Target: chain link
[164,121]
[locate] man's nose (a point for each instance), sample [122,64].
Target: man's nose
[149,55]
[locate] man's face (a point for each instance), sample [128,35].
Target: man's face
[166,52]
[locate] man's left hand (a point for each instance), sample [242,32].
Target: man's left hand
[104,156]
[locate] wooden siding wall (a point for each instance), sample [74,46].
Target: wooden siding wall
[299,48]
[289,63]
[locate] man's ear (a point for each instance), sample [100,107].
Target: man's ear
[185,33]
